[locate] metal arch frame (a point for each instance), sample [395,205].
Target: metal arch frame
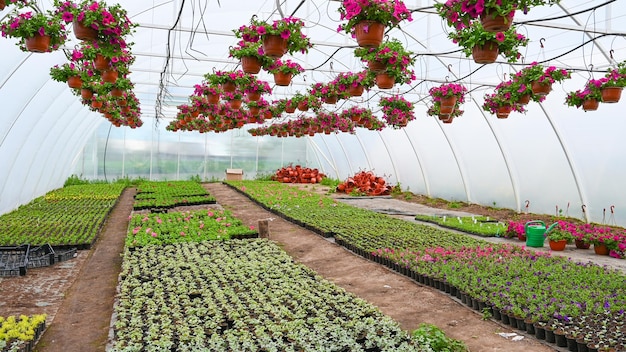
[367,158]
[333,166]
[393,164]
[419,162]
[344,151]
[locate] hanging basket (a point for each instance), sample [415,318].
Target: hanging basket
[447,104]
[86,93]
[486,53]
[229,87]
[524,99]
[83,32]
[75,82]
[611,94]
[234,104]
[38,43]
[376,66]
[356,91]
[274,45]
[495,23]
[250,64]
[303,106]
[100,62]
[591,104]
[213,98]
[541,88]
[109,76]
[116,92]
[282,79]
[290,109]
[385,81]
[503,111]
[253,96]
[331,99]
[369,34]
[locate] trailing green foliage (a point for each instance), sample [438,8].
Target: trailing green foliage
[477,225]
[196,226]
[246,295]
[433,337]
[71,215]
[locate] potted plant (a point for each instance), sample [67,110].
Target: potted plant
[35,31]
[485,46]
[499,13]
[328,92]
[304,102]
[228,80]
[279,37]
[67,72]
[255,88]
[104,19]
[389,63]
[589,97]
[558,238]
[251,56]
[613,83]
[502,101]
[397,111]
[435,110]
[284,71]
[449,96]
[353,83]
[540,79]
[367,19]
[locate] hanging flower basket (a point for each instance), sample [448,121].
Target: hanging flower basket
[591,104]
[282,79]
[503,111]
[385,81]
[524,99]
[369,34]
[229,87]
[75,82]
[376,66]
[84,32]
[611,94]
[485,53]
[541,88]
[331,99]
[356,91]
[101,62]
[493,22]
[109,76]
[447,105]
[86,93]
[250,64]
[38,43]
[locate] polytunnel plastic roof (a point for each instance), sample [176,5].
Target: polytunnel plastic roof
[551,156]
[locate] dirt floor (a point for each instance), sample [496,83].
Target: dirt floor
[78,294]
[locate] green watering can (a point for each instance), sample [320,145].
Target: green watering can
[535,232]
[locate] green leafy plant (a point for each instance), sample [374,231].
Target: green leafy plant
[508,42]
[433,337]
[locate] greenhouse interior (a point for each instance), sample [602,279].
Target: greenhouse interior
[322,175]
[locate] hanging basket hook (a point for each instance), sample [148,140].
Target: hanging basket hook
[541,41]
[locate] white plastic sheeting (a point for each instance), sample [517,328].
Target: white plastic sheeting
[554,157]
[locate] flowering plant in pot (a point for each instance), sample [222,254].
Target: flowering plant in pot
[592,91]
[63,72]
[435,110]
[395,59]
[205,89]
[285,66]
[389,13]
[238,78]
[615,77]
[244,50]
[329,92]
[26,25]
[460,13]
[107,20]
[508,42]
[256,86]
[288,29]
[448,90]
[397,111]
[353,82]
[501,102]
[307,101]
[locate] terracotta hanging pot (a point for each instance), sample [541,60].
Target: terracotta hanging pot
[234,104]
[376,66]
[447,104]
[250,64]
[503,111]
[86,93]
[274,45]
[213,98]
[369,34]
[253,96]
[116,92]
[96,104]
[591,104]
[123,102]
[331,99]
[524,99]
[443,117]
[385,81]
[356,91]
[448,120]
[493,22]
[3,4]
[38,43]
[254,110]
[75,82]
[541,88]
[611,94]
[101,63]
[486,53]
[229,87]
[282,79]
[303,106]
[290,109]
[83,32]
[109,76]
